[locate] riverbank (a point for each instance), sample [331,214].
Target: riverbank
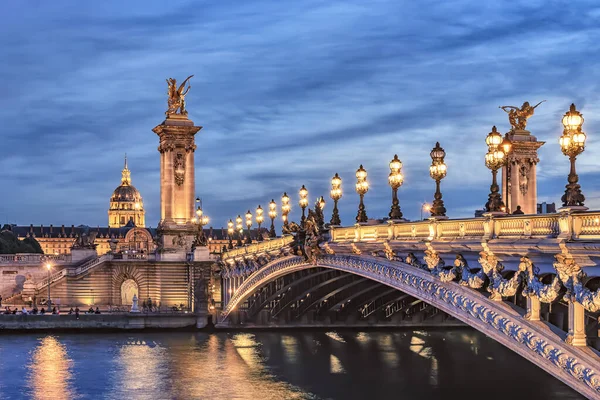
[97,322]
[182,321]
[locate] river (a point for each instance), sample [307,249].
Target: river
[312,364]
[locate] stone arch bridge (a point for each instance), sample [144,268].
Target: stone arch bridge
[509,277]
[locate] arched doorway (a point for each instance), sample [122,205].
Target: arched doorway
[128,289]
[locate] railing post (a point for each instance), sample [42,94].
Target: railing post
[533,308]
[565,224]
[488,227]
[576,335]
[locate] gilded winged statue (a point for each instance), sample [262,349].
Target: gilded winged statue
[177,95]
[518,116]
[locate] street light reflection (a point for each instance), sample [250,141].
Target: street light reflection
[50,371]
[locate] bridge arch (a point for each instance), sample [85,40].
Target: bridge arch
[534,340]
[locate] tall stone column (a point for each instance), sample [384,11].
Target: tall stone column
[521,188]
[177,186]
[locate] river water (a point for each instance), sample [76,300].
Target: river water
[396,364]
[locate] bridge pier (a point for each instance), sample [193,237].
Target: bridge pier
[576,336]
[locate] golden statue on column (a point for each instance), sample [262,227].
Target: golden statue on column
[176,99]
[517,117]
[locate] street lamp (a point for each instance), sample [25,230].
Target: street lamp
[494,159]
[362,187]
[48,302]
[426,207]
[285,208]
[249,225]
[336,194]
[507,148]
[395,179]
[272,215]
[572,143]
[437,171]
[201,220]
[240,230]
[303,202]
[230,233]
[259,221]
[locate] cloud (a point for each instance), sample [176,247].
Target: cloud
[288,94]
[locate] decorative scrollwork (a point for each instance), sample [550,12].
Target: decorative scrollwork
[473,278]
[179,169]
[328,249]
[568,270]
[498,286]
[355,249]
[533,285]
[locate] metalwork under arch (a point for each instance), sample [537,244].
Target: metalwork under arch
[534,340]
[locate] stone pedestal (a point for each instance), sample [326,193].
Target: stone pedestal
[201,253]
[80,254]
[177,179]
[521,187]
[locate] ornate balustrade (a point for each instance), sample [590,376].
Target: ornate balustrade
[27,258]
[572,226]
[259,247]
[53,278]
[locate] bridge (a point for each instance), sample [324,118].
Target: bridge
[529,282]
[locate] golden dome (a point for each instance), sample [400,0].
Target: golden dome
[126,203]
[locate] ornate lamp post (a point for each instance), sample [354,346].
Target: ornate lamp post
[240,229]
[362,187]
[272,215]
[572,143]
[506,146]
[437,171]
[336,195]
[395,179]
[230,233]
[285,208]
[249,225]
[494,159]
[200,220]
[259,220]
[303,202]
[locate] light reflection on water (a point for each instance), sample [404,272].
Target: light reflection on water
[49,371]
[268,365]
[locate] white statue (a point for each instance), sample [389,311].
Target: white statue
[134,306]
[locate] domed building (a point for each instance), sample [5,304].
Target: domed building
[126,203]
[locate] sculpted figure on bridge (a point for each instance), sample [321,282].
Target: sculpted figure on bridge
[85,240]
[568,270]
[176,100]
[313,237]
[517,117]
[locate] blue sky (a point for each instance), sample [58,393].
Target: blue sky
[288,93]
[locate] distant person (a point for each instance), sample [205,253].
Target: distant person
[76,312]
[54,311]
[518,211]
[71,311]
[0,301]
[14,311]
[149,304]
[24,311]
[91,310]
[35,310]
[97,311]
[42,311]
[6,310]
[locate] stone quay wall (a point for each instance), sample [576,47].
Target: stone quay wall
[100,321]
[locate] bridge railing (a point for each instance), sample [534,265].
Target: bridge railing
[569,225]
[27,258]
[267,245]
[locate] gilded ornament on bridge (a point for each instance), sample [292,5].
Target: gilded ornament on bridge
[534,287]
[355,249]
[473,278]
[176,100]
[328,249]
[517,117]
